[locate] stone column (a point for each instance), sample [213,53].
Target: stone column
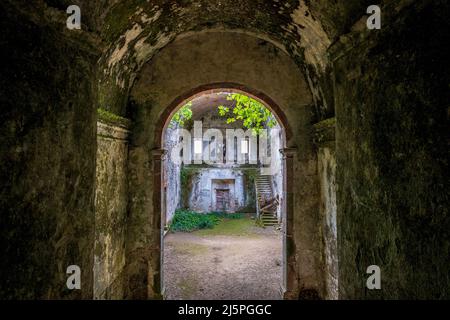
[290,281]
[158,157]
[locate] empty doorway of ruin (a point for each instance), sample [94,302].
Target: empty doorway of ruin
[238,180]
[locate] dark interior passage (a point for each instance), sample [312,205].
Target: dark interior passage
[365,150]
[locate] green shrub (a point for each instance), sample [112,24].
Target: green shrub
[187,220]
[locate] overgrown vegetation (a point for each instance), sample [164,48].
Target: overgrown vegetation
[252,113]
[107,116]
[185,181]
[187,220]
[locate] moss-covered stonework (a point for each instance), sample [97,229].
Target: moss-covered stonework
[111,118]
[111,200]
[136,30]
[47,157]
[325,133]
[392,154]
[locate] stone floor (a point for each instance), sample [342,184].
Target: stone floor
[223,263]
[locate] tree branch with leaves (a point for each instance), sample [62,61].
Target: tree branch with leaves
[252,113]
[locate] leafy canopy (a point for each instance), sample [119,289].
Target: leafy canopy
[253,114]
[180,118]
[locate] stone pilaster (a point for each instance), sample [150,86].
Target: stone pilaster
[290,277]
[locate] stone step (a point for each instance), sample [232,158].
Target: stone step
[270,224]
[263,186]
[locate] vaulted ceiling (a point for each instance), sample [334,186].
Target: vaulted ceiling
[132,31]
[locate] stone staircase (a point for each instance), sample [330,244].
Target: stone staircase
[267,204]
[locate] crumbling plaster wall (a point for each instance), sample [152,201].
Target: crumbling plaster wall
[201,197]
[171,178]
[138,29]
[276,138]
[111,200]
[327,175]
[325,140]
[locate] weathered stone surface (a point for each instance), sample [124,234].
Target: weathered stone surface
[47,157]
[392,157]
[111,200]
[203,182]
[327,175]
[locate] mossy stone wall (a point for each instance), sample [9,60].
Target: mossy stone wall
[391,93]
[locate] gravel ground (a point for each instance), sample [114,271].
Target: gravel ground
[238,267]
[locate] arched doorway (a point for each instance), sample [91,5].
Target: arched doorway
[163,84]
[264,176]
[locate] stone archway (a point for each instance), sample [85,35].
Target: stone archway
[159,154]
[385,87]
[264,74]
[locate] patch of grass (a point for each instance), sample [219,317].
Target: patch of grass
[186,220]
[224,215]
[230,227]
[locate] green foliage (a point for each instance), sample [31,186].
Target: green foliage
[224,215]
[185,181]
[180,118]
[187,220]
[252,113]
